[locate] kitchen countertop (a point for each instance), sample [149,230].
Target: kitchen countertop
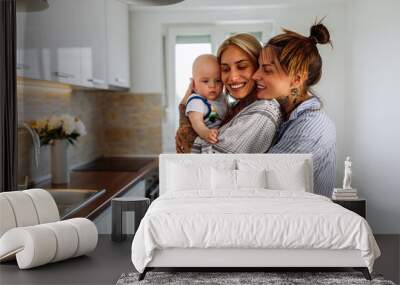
[115,174]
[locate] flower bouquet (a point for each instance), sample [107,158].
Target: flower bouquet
[59,131]
[59,128]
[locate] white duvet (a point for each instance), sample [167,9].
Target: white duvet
[252,218]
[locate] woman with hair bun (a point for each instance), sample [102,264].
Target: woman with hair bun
[289,64]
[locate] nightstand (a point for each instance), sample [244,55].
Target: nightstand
[358,206]
[122,204]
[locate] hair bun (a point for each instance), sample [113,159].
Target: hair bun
[320,34]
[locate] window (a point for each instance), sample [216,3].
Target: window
[187,48]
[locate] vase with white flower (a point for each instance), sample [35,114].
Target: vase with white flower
[59,131]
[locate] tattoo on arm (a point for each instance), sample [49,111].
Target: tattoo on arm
[183,120]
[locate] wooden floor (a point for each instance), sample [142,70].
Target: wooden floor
[111,259]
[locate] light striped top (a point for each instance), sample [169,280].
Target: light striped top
[309,130]
[252,130]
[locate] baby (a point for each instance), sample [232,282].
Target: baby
[206,108]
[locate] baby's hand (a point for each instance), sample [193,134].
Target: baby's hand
[212,136]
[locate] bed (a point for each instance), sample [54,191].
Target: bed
[246,211]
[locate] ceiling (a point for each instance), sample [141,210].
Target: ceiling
[225,4]
[151,2]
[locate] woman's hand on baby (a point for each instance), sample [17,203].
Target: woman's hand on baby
[211,136]
[189,91]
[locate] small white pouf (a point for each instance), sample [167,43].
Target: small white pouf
[40,244]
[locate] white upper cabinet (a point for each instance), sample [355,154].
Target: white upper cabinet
[29,40]
[61,48]
[117,25]
[92,38]
[70,43]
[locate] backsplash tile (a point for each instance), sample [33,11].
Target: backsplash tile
[132,124]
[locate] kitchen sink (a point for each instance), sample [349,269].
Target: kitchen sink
[70,201]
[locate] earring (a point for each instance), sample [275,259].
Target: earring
[295,92]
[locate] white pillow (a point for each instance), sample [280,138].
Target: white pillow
[227,179]
[251,178]
[223,179]
[183,177]
[293,179]
[281,174]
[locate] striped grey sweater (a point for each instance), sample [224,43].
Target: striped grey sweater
[252,130]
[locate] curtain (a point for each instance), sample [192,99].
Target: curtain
[8,97]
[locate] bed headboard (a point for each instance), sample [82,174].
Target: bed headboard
[270,161]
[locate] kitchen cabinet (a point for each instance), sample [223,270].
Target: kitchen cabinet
[92,39]
[83,43]
[61,50]
[117,25]
[28,51]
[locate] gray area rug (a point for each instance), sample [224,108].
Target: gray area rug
[273,278]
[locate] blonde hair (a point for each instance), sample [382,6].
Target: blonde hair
[247,42]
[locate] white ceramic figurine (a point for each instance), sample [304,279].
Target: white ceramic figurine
[347,174]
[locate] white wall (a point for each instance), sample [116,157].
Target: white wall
[372,132]
[356,87]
